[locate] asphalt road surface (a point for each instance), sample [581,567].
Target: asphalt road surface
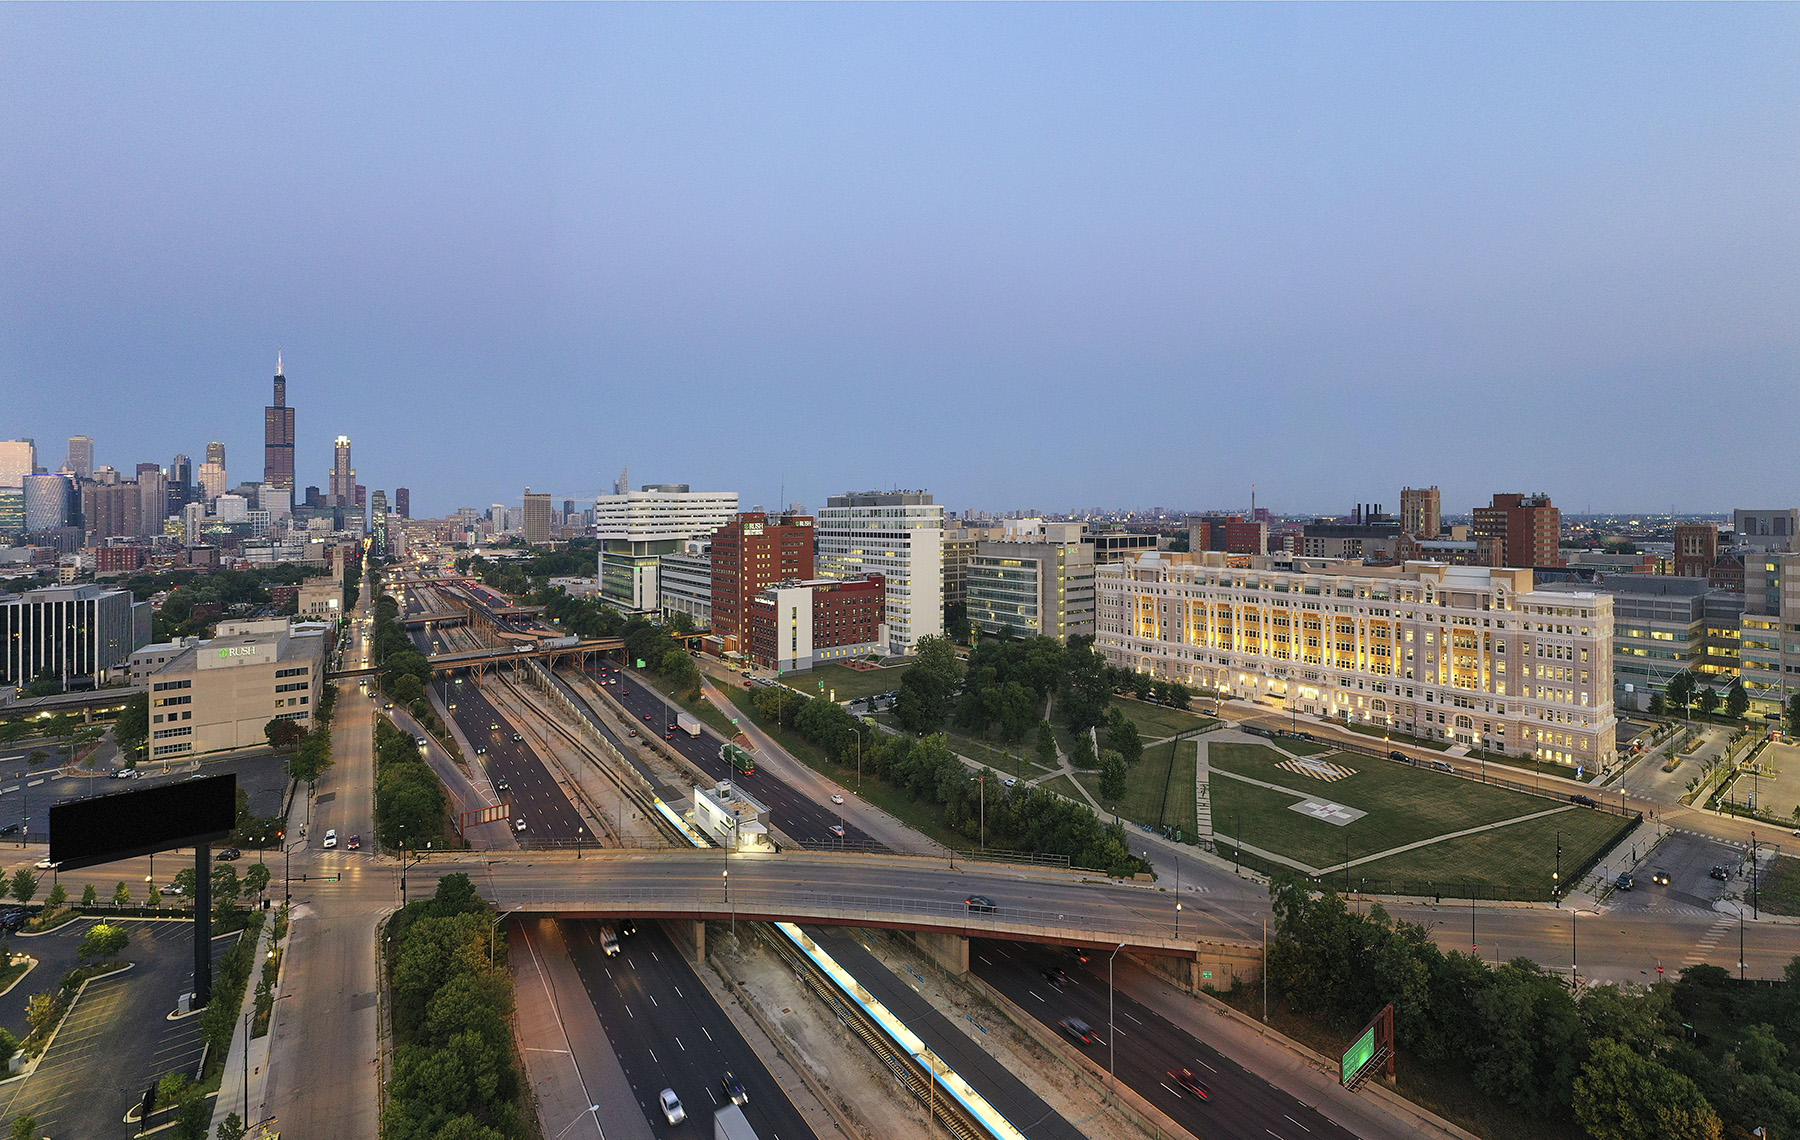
[795,814]
[1146,1047]
[668,1032]
[536,796]
[30,793]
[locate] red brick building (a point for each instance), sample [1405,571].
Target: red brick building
[750,554]
[1520,531]
[118,559]
[1696,549]
[796,625]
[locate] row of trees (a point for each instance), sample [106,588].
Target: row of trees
[1021,818]
[215,594]
[1627,1063]
[409,801]
[1686,692]
[455,1074]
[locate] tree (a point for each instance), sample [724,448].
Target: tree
[192,1119]
[1658,706]
[24,886]
[42,1011]
[103,941]
[681,623]
[679,669]
[1046,744]
[153,899]
[406,689]
[1793,715]
[256,878]
[1122,736]
[56,897]
[1084,751]
[89,897]
[225,887]
[926,689]
[183,882]
[1707,700]
[1112,776]
[312,757]
[283,734]
[1621,1096]
[132,729]
[232,1128]
[1737,702]
[1086,689]
[1680,690]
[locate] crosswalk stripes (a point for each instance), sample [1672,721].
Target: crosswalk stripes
[1708,942]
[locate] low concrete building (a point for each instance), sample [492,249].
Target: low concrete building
[79,634]
[221,693]
[321,599]
[733,818]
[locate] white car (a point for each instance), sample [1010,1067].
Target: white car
[671,1106]
[331,838]
[519,826]
[836,799]
[125,774]
[44,864]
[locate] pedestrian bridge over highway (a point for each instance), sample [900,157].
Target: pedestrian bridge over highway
[927,895]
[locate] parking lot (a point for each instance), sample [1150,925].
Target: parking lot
[27,793]
[117,1040]
[1687,860]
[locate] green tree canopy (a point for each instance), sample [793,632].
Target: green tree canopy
[1621,1096]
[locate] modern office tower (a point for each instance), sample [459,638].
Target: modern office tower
[1519,531]
[638,527]
[684,582]
[1036,580]
[1421,512]
[900,536]
[278,439]
[153,498]
[18,458]
[796,625]
[1664,625]
[749,554]
[81,456]
[1463,654]
[378,521]
[403,502]
[221,693]
[80,632]
[536,523]
[12,514]
[181,484]
[215,453]
[958,547]
[213,481]
[1696,549]
[111,510]
[1769,641]
[568,512]
[47,502]
[342,488]
[1768,530]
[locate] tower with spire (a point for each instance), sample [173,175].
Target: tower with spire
[278,439]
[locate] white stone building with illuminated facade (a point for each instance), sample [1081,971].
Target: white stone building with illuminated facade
[1463,654]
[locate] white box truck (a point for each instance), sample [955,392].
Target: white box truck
[688,724]
[729,1124]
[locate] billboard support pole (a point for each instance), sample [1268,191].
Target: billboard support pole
[202,924]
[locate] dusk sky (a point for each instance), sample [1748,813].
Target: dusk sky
[1023,256]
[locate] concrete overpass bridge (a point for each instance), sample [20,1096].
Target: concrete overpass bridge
[481,660]
[928,896]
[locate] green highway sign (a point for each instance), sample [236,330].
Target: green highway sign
[1357,1056]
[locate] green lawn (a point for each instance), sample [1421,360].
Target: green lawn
[1780,888]
[1157,792]
[1157,722]
[1384,732]
[1404,805]
[1306,747]
[1063,786]
[848,683]
[1512,862]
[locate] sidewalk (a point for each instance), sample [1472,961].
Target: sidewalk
[232,1086]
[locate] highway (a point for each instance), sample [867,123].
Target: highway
[1145,1048]
[795,814]
[536,796]
[668,1032]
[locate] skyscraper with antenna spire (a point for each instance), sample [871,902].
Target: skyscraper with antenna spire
[278,439]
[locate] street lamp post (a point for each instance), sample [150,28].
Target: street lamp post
[729,903]
[578,830]
[418,857]
[493,929]
[1111,1084]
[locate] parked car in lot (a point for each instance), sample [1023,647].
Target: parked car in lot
[12,918]
[1080,1030]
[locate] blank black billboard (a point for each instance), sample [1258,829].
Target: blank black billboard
[84,833]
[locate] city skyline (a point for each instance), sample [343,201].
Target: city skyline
[1016,255]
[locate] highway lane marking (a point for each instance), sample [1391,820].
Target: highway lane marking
[1165,1084]
[1205,1066]
[628,1012]
[1295,1123]
[652,998]
[709,1036]
[1123,1013]
[1034,994]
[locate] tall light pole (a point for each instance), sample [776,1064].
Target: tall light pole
[1111,1084]
[732,905]
[493,929]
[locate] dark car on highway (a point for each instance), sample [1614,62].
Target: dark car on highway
[981,903]
[1079,1030]
[1056,976]
[1187,1080]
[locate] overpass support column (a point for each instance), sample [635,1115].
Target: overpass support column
[689,936]
[951,951]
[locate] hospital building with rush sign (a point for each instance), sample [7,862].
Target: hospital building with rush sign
[1467,655]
